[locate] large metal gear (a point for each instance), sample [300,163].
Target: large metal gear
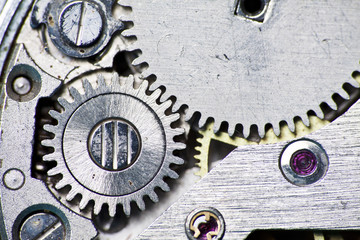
[113,145]
[247,70]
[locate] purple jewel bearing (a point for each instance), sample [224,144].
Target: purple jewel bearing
[303,162]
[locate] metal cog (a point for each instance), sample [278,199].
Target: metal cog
[208,135]
[228,66]
[113,144]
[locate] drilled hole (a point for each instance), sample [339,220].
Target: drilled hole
[252,7]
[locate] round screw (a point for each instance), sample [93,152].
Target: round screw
[21,85]
[304,162]
[114,144]
[81,23]
[14,179]
[205,224]
[42,226]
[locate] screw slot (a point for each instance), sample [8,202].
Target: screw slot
[205,224]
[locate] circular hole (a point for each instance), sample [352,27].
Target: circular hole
[252,7]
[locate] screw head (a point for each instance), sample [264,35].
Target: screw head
[205,224]
[304,162]
[42,226]
[81,23]
[14,179]
[114,144]
[21,85]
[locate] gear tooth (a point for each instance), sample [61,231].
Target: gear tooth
[246,131]
[202,123]
[344,94]
[75,93]
[332,104]
[47,142]
[129,32]
[115,79]
[53,171]
[319,112]
[112,209]
[97,207]
[54,114]
[164,186]
[172,174]
[291,125]
[177,160]
[139,60]
[101,81]
[83,202]
[71,194]
[305,119]
[49,157]
[140,203]
[166,105]
[155,94]
[64,103]
[144,86]
[154,197]
[126,208]
[61,184]
[89,90]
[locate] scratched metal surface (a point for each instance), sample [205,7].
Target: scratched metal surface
[250,191]
[240,71]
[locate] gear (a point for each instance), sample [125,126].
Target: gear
[113,145]
[209,135]
[244,72]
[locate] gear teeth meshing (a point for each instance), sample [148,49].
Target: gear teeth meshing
[123,87]
[208,134]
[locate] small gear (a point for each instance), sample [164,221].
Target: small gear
[113,145]
[208,135]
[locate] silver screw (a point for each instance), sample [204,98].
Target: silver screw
[42,226]
[81,23]
[205,223]
[114,144]
[14,179]
[252,9]
[304,162]
[21,85]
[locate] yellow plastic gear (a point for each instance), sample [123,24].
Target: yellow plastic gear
[270,137]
